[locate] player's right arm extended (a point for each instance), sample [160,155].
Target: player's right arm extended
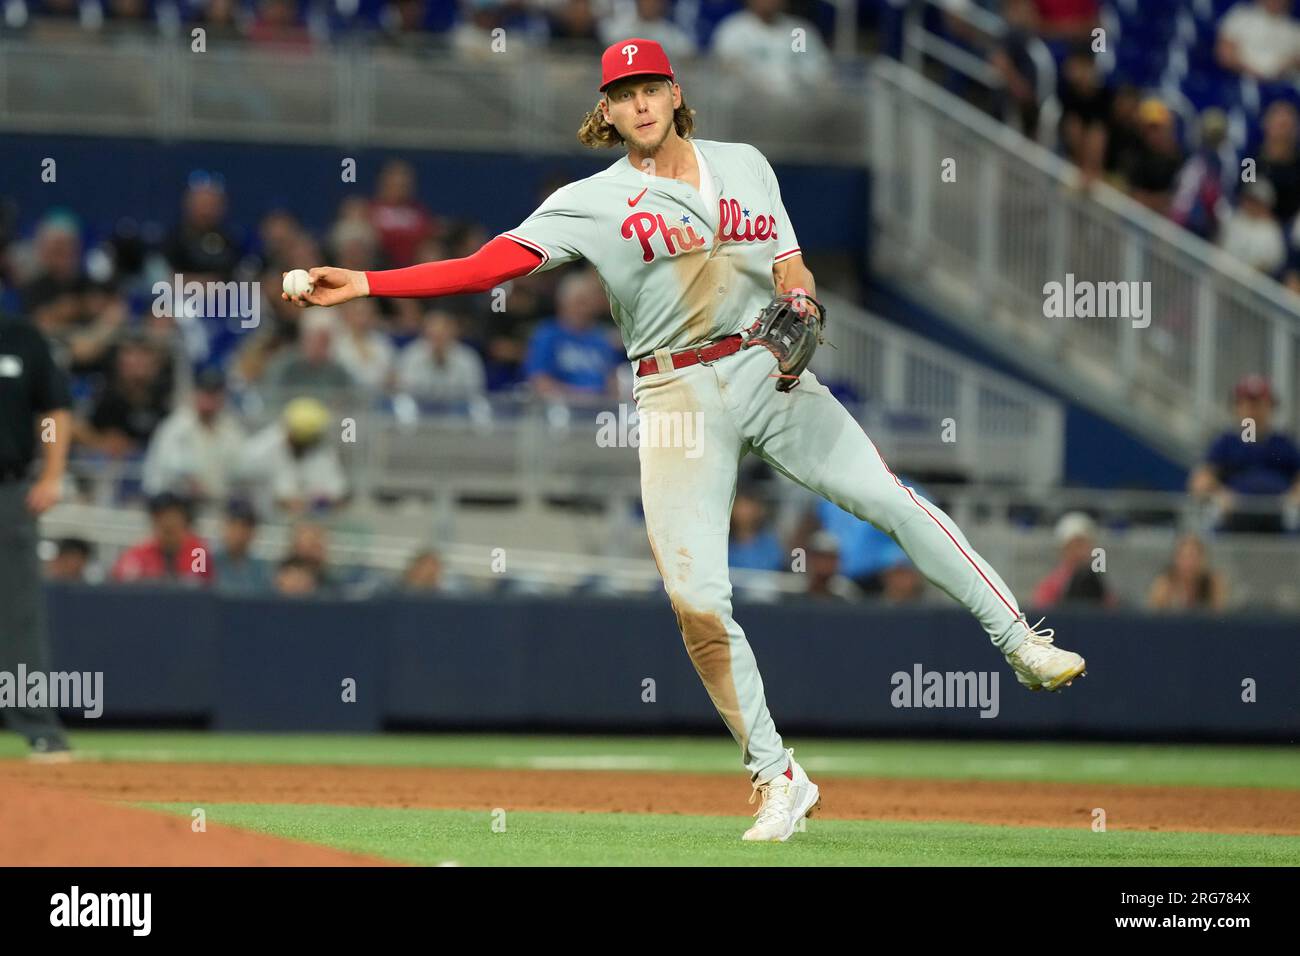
[498,261]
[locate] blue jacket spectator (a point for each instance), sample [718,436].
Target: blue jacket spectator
[572,354]
[754,545]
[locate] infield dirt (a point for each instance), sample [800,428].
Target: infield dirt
[50,811]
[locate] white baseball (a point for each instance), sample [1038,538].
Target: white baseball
[297,282]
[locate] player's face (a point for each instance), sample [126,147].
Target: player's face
[642,111]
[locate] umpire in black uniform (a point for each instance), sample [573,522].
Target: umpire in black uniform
[34,409]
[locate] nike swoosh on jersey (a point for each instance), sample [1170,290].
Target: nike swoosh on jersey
[633,202]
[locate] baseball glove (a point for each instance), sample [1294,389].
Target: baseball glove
[790,327]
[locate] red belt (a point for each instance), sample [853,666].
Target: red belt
[699,355]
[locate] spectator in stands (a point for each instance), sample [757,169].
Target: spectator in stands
[1072,20]
[1188,582]
[1012,61]
[132,403]
[573,354]
[867,555]
[366,353]
[573,27]
[1279,158]
[131,14]
[423,573]
[400,220]
[71,560]
[1074,579]
[1250,460]
[437,366]
[353,239]
[1123,132]
[203,247]
[221,19]
[309,367]
[1250,232]
[277,234]
[195,449]
[1200,196]
[759,43]
[172,553]
[473,36]
[1259,39]
[79,314]
[295,577]
[650,19]
[294,464]
[309,546]
[901,583]
[1153,168]
[238,571]
[824,578]
[274,337]
[277,23]
[1085,113]
[753,545]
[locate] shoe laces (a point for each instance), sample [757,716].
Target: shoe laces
[777,796]
[1036,636]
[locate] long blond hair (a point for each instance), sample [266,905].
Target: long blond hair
[595,133]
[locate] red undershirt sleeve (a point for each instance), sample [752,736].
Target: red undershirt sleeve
[498,261]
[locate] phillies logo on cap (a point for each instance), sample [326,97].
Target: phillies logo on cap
[635,56]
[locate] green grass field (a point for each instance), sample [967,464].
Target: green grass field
[431,837]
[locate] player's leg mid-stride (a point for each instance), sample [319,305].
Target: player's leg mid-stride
[809,436]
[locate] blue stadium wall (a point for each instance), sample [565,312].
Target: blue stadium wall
[579,665]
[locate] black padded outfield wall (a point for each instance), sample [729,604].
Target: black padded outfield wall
[583,664]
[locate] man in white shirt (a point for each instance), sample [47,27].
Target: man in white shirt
[293,464]
[649,19]
[438,366]
[363,350]
[770,47]
[1251,234]
[1260,39]
[194,450]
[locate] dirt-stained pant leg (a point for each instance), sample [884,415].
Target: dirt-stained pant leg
[807,434]
[689,449]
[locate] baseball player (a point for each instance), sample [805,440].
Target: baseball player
[717,309]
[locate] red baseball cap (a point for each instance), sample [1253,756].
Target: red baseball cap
[1253,386]
[635,56]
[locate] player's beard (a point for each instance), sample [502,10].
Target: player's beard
[649,148]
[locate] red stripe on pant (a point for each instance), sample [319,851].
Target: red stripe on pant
[955,543]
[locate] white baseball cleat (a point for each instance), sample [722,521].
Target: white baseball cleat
[1041,665]
[786,801]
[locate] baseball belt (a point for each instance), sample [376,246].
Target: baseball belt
[705,354]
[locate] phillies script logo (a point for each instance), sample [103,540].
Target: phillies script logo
[735,224]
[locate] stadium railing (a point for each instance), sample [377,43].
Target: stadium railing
[1260,569]
[528,101]
[984,247]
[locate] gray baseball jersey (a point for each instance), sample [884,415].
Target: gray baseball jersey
[680,266]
